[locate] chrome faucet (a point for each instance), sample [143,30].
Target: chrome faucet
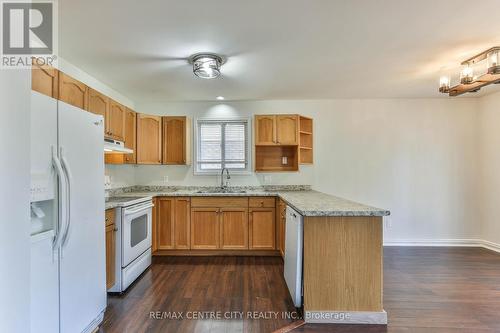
[222,186]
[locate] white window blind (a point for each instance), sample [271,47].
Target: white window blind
[222,144]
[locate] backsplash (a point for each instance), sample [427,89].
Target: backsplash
[142,188]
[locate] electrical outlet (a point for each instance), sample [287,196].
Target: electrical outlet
[165,179]
[107,182]
[388,222]
[267,179]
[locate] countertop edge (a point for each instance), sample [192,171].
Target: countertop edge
[367,211]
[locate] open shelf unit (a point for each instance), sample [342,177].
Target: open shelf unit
[306,140]
[270,158]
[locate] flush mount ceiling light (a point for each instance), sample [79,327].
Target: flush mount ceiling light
[469,82]
[206,65]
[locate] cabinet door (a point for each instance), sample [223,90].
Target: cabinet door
[281,215]
[72,91]
[165,223]
[148,139]
[205,228]
[154,227]
[265,130]
[44,79]
[234,228]
[99,104]
[116,120]
[182,219]
[110,255]
[287,129]
[262,229]
[130,135]
[174,140]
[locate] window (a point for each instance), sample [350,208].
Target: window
[222,144]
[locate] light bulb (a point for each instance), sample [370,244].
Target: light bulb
[467,75]
[444,84]
[493,66]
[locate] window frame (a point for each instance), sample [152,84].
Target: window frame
[196,144]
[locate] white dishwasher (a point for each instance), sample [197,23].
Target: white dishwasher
[293,254]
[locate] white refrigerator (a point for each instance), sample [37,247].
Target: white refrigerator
[68,282]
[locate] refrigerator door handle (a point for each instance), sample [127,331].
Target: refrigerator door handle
[67,172]
[62,187]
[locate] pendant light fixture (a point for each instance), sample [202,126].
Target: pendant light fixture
[206,65]
[468,81]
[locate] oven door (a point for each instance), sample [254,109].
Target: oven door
[136,231]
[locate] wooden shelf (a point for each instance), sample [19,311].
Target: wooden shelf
[269,158]
[306,140]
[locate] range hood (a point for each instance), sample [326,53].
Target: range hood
[116,147]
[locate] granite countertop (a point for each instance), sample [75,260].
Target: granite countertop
[304,200]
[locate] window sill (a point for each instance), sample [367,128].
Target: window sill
[217,173]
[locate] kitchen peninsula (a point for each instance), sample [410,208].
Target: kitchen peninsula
[342,240]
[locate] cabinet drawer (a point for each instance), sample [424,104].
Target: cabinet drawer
[219,202]
[267,202]
[110,217]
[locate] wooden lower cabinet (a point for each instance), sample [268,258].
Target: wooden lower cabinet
[233,228]
[205,228]
[262,229]
[182,223]
[281,226]
[173,217]
[165,222]
[110,248]
[191,225]
[154,227]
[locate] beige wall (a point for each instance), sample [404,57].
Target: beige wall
[489,171]
[415,157]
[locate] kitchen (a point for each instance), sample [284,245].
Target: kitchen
[203,189]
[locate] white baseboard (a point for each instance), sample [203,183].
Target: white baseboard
[445,242]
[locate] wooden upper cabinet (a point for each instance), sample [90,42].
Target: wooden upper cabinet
[205,228]
[148,139]
[262,229]
[116,120]
[72,91]
[265,130]
[165,223]
[287,129]
[99,104]
[176,140]
[277,129]
[44,79]
[182,221]
[234,228]
[130,135]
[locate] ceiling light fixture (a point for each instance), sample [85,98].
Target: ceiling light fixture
[206,65]
[220,98]
[469,82]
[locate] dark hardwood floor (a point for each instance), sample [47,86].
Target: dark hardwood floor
[425,290]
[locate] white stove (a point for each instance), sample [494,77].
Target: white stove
[133,241]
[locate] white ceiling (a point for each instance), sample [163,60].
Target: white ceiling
[276,49]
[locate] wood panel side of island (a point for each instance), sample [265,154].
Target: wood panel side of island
[343,266]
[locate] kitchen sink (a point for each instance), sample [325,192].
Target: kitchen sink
[220,190]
